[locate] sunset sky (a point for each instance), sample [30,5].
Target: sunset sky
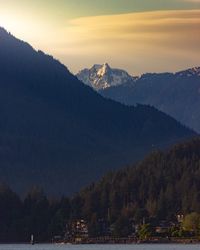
[137,35]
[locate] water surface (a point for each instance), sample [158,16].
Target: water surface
[100,247]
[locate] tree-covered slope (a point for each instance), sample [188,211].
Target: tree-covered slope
[160,187]
[156,190]
[60,134]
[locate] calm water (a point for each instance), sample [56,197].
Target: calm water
[100,247]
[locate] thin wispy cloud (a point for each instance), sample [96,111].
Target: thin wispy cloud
[141,41]
[150,41]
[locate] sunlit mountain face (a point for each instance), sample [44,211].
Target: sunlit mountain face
[103,76]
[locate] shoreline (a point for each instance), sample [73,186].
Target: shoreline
[116,241]
[143,243]
[129,241]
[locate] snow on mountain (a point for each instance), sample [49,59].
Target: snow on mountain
[103,76]
[189,72]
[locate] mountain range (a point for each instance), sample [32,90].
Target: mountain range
[176,94]
[60,134]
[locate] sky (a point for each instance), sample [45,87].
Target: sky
[136,35]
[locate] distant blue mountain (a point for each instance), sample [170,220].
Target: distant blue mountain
[60,134]
[175,94]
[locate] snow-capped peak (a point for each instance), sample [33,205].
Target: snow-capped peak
[103,76]
[103,70]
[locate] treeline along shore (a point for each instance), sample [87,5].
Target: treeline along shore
[157,198]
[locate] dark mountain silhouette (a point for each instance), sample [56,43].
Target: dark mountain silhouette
[59,133]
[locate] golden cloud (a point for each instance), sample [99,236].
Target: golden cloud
[149,41]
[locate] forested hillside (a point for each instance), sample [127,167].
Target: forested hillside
[58,132]
[159,188]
